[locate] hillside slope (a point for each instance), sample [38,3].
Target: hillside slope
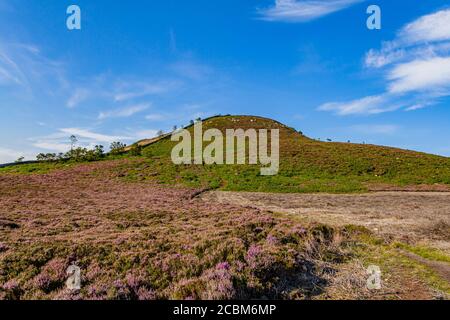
[306,165]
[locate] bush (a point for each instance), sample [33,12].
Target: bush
[46,157]
[117,147]
[77,154]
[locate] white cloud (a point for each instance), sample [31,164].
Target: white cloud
[303,10]
[416,68]
[59,141]
[419,106]
[123,112]
[424,38]
[9,155]
[97,137]
[432,75]
[377,104]
[146,134]
[366,105]
[428,28]
[378,59]
[52,146]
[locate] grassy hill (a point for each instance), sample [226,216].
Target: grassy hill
[306,165]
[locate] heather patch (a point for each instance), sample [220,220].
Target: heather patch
[146,241]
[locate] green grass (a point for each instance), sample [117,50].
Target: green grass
[306,165]
[425,252]
[35,168]
[48,166]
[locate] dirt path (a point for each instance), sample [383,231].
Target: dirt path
[442,268]
[418,216]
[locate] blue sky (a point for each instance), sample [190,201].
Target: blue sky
[140,66]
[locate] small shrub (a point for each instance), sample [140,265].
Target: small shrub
[117,147]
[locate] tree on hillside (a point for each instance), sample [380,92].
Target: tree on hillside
[117,147]
[160,133]
[46,157]
[77,154]
[73,142]
[20,159]
[99,151]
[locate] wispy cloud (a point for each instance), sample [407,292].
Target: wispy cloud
[303,10]
[97,137]
[129,90]
[123,112]
[156,117]
[190,69]
[77,97]
[146,134]
[23,66]
[416,67]
[10,72]
[366,105]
